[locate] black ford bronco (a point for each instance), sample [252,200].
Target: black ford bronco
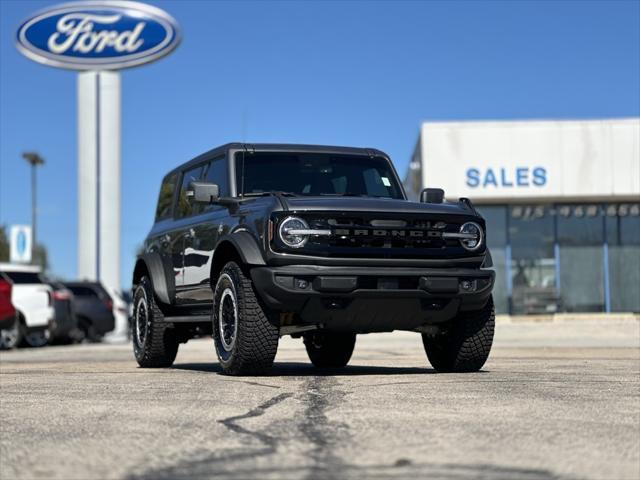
[255,241]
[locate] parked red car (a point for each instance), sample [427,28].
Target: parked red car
[7,310]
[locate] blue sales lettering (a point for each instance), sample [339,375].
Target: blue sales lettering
[518,177]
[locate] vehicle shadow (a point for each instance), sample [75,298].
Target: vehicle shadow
[300,369]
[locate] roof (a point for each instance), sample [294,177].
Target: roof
[280,147]
[18,267]
[82,283]
[531,121]
[300,147]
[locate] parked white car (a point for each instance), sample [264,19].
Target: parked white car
[121,316]
[33,301]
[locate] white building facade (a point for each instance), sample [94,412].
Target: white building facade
[562,205]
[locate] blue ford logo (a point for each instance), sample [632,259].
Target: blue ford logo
[21,243]
[98,35]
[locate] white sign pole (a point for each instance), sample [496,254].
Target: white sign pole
[87,178]
[99,177]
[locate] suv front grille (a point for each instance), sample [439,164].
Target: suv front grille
[384,236]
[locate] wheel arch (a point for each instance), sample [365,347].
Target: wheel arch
[140,270]
[240,247]
[152,266]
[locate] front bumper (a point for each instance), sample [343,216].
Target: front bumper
[372,299]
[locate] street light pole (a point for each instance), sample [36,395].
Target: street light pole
[34,160]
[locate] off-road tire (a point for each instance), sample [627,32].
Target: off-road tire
[158,347]
[329,349]
[251,340]
[465,343]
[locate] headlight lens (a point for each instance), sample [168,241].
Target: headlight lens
[289,239]
[472,243]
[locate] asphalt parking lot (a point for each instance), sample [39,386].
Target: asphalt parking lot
[555,400]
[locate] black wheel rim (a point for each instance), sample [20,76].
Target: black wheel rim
[227,318]
[142,322]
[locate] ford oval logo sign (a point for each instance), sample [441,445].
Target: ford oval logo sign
[98,35]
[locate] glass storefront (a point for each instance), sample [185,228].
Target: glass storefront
[623,254]
[532,263]
[581,242]
[497,241]
[565,257]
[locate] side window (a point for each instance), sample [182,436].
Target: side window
[165,199]
[217,173]
[184,207]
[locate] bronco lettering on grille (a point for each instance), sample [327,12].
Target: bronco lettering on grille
[346,232]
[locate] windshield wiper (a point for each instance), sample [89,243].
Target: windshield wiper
[275,193]
[345,194]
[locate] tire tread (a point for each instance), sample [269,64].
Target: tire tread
[335,351]
[161,346]
[257,340]
[465,347]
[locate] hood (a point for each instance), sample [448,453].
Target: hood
[369,204]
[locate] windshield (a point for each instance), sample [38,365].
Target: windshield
[316,174]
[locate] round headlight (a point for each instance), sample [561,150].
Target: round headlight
[473,236]
[289,232]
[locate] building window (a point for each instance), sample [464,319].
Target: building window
[496,219]
[565,258]
[533,262]
[581,266]
[623,252]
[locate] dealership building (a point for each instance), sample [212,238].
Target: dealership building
[562,204]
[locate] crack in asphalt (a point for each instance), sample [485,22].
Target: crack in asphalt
[258,384]
[325,439]
[324,435]
[267,440]
[207,464]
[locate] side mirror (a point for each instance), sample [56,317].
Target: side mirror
[203,192]
[432,195]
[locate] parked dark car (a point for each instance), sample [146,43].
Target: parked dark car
[252,242]
[93,308]
[8,316]
[64,327]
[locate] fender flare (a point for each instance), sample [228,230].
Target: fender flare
[246,245]
[488,259]
[161,275]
